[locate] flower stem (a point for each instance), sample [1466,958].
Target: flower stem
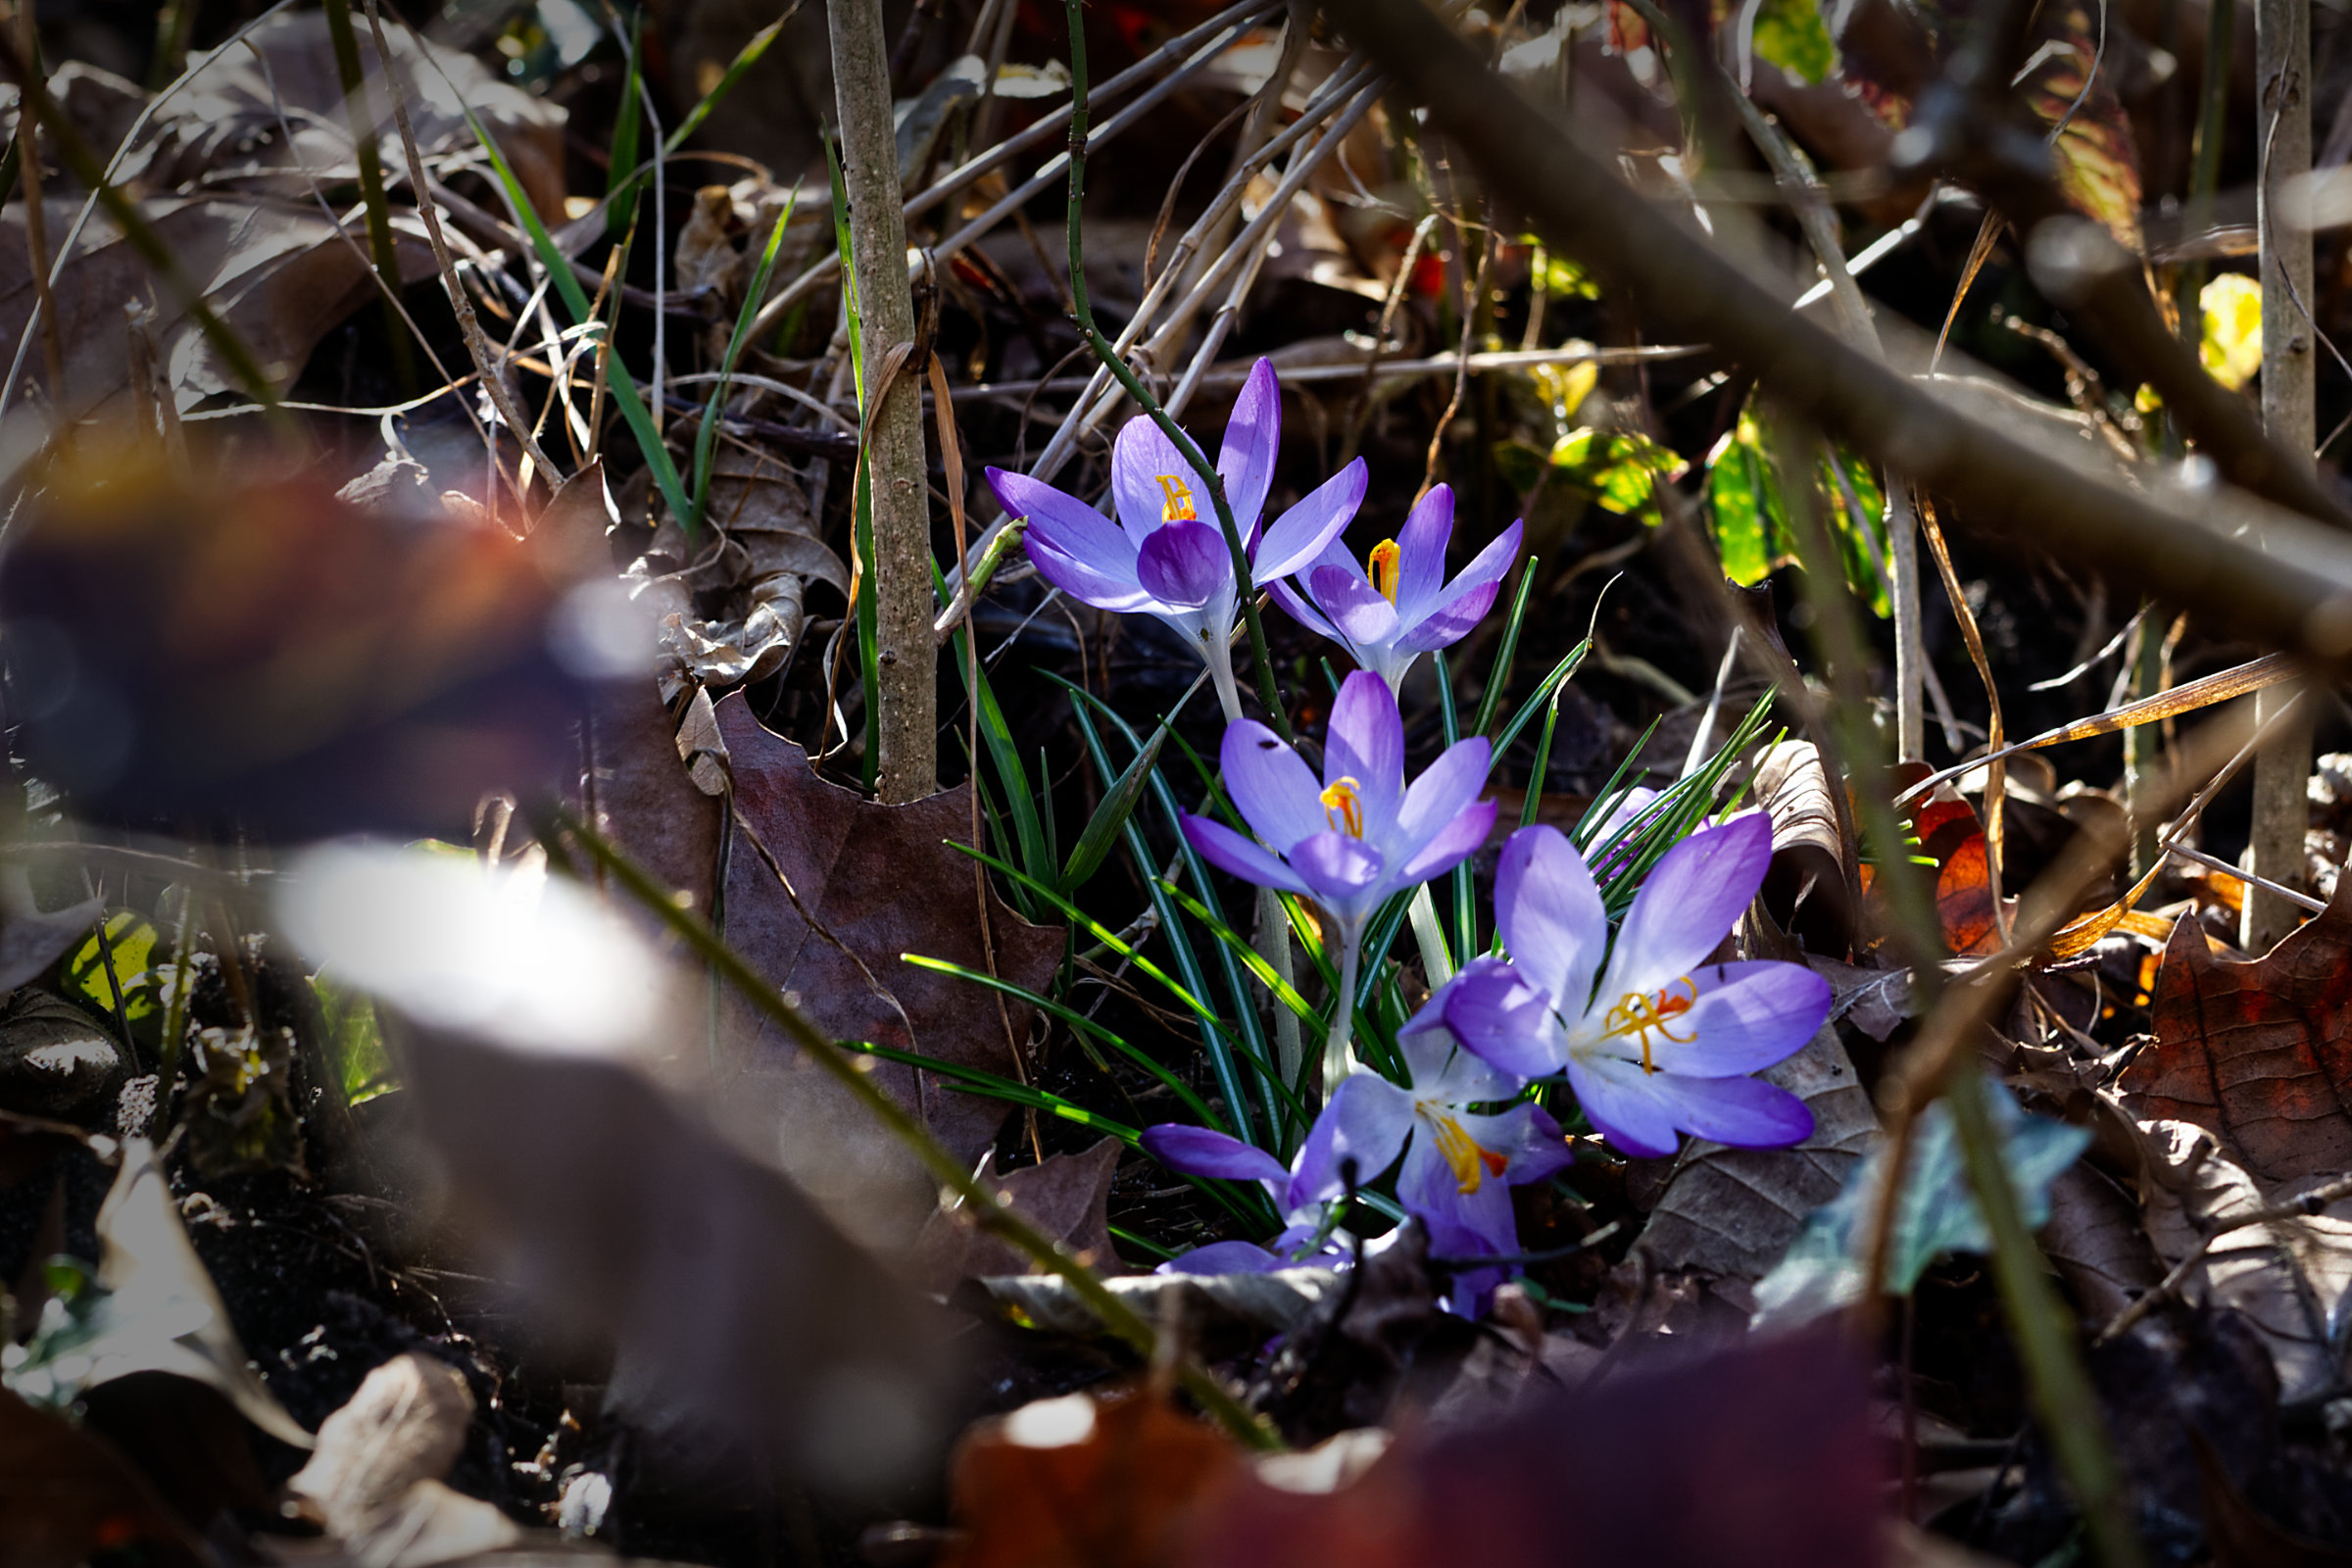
[1083,314]
[1436,962]
[1343,1015]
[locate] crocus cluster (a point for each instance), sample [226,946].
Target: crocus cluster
[1649,1027]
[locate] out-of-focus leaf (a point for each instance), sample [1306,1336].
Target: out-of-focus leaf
[2098,161]
[1738,504]
[1082,1480]
[1935,1214]
[91,978]
[31,938]
[2231,347]
[65,1496]
[1793,35]
[355,1040]
[151,1309]
[259,651]
[751,1335]
[860,884]
[1618,467]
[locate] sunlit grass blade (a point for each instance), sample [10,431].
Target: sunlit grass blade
[1149,1249]
[1110,818]
[1101,933]
[625,396]
[1254,1046]
[1080,1022]
[745,59]
[977,1081]
[1490,701]
[621,169]
[1457,881]
[1560,672]
[1532,795]
[706,439]
[1254,962]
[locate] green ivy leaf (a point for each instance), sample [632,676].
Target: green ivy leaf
[1791,35]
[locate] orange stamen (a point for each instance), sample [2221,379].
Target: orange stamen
[1382,567]
[1469,1163]
[1639,1014]
[1344,807]
[1178,506]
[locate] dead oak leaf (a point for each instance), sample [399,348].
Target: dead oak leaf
[1065,1195]
[825,891]
[2258,1053]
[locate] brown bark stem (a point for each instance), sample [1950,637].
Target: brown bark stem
[905,656]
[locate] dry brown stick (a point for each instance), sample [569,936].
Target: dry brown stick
[478,343]
[2301,1206]
[2175,544]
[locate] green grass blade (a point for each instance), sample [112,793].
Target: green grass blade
[706,439]
[745,59]
[1464,934]
[1254,962]
[1080,1022]
[1490,702]
[1110,817]
[625,396]
[1221,1056]
[620,169]
[975,1081]
[1566,669]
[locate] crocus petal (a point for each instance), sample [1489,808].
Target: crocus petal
[1301,534]
[1498,1015]
[1276,792]
[1366,1120]
[1365,742]
[1139,458]
[1450,844]
[1184,563]
[1624,1105]
[1252,439]
[1343,872]
[1296,605]
[1083,582]
[1747,1017]
[1445,790]
[1421,549]
[1743,1113]
[1549,914]
[1442,1068]
[1527,1136]
[1361,612]
[1066,523]
[1224,1258]
[1493,563]
[1228,851]
[1203,1152]
[1474,1223]
[1688,903]
[1449,622]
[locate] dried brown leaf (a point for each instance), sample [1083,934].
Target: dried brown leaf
[1067,1196]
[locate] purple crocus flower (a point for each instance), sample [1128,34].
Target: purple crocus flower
[1167,557]
[1459,1163]
[1357,836]
[1665,1040]
[1397,605]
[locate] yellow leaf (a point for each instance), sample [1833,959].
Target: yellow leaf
[2233,343]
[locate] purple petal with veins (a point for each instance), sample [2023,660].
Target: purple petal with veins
[1301,533]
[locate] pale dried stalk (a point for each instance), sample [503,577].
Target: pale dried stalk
[478,343]
[1172,54]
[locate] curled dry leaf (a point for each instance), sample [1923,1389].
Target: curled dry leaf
[274,270]
[1806,888]
[825,891]
[1067,1196]
[375,1478]
[731,610]
[1732,1213]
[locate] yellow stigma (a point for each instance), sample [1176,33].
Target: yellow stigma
[1344,807]
[1381,566]
[1469,1163]
[1178,505]
[1639,1014]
